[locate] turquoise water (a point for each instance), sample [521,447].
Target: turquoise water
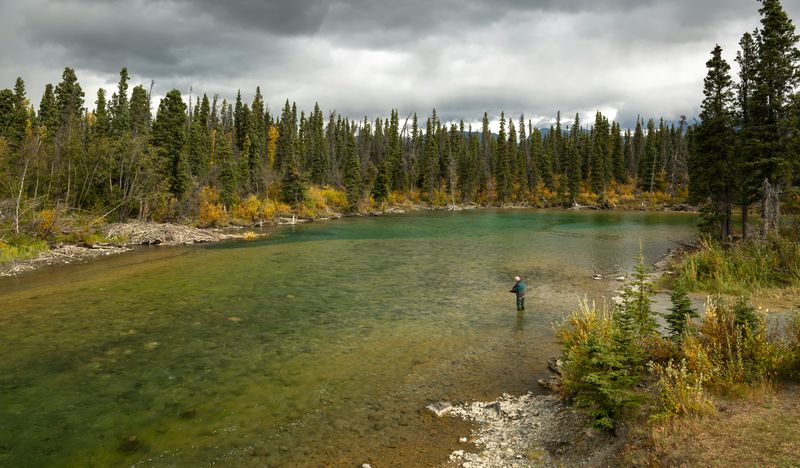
[319,344]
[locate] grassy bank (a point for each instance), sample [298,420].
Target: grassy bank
[743,267]
[716,381]
[21,248]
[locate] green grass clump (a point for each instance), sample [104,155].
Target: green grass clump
[742,267]
[21,248]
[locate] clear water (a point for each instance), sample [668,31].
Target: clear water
[319,345]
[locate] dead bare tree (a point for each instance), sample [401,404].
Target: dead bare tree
[770,208]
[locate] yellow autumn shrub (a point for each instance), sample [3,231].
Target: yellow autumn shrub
[211,212]
[248,209]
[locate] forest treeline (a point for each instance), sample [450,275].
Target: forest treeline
[119,158]
[746,148]
[202,155]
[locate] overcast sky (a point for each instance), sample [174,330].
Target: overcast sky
[365,57]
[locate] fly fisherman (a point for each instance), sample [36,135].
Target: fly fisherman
[519,290]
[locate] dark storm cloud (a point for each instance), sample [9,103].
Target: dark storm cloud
[626,57]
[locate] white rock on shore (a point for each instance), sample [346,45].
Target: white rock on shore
[529,430]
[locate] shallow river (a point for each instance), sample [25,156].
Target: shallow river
[318,345]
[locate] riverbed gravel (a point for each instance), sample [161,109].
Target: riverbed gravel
[528,430]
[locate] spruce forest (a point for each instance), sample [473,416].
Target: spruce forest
[118,157]
[208,159]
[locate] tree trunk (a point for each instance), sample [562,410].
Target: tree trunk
[18,211]
[744,221]
[728,221]
[770,208]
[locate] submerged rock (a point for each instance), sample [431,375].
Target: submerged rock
[555,365]
[188,413]
[439,409]
[129,445]
[494,406]
[259,451]
[551,383]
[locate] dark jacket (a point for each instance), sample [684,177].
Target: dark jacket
[519,289]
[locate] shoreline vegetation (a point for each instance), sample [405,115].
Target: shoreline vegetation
[631,391]
[63,239]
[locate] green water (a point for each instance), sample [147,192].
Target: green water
[318,345]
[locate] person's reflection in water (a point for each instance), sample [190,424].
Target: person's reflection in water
[519,323]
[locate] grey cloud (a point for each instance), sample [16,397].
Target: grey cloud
[367,56]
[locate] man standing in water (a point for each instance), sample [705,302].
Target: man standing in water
[519,290]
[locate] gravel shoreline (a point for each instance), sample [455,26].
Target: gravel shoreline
[529,430]
[134,233]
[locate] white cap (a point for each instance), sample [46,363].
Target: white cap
[516,278]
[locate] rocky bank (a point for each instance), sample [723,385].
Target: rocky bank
[129,235]
[529,430]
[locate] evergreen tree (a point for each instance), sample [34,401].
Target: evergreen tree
[745,314]
[380,189]
[18,123]
[777,77]
[600,154]
[634,313]
[240,121]
[681,310]
[649,159]
[6,113]
[503,170]
[227,169]
[283,149]
[257,128]
[618,153]
[523,163]
[747,58]
[169,137]
[556,158]
[545,159]
[516,170]
[430,159]
[69,98]
[140,111]
[199,144]
[486,169]
[712,165]
[573,167]
[119,107]
[637,150]
[573,172]
[535,158]
[320,161]
[48,113]
[352,174]
[393,153]
[292,186]
[102,124]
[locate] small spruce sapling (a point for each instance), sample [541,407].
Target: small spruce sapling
[678,316]
[745,313]
[634,314]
